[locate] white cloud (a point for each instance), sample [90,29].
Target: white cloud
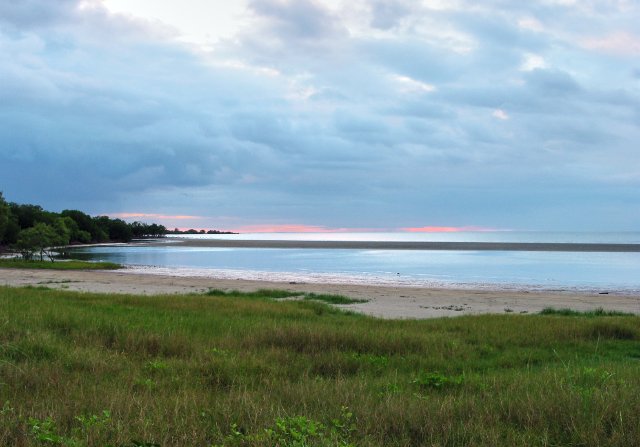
[409,85]
[500,114]
[201,22]
[531,23]
[532,62]
[240,65]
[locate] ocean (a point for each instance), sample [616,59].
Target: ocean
[613,272]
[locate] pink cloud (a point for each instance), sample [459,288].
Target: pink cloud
[296,228]
[621,43]
[430,229]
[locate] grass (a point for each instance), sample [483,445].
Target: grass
[600,312]
[277,294]
[261,293]
[58,265]
[204,370]
[333,299]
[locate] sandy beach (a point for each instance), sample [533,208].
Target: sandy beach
[384,301]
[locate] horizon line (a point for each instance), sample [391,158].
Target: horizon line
[298,228]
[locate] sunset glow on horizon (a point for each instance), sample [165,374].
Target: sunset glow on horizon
[299,228]
[290,228]
[429,229]
[205,223]
[433,230]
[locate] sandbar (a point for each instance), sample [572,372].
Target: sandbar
[399,302]
[402,245]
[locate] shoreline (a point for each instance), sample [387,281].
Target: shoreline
[385,301]
[395,281]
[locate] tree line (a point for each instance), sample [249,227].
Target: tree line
[31,230]
[192,231]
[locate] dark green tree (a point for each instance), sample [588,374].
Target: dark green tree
[12,231]
[139,229]
[156,230]
[29,215]
[4,217]
[42,239]
[86,225]
[72,226]
[115,229]
[119,230]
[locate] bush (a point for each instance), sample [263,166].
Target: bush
[42,239]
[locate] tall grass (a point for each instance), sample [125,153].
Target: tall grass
[276,294]
[333,299]
[600,312]
[234,369]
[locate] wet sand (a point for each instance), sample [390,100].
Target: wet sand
[401,245]
[384,301]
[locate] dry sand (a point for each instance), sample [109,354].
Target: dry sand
[384,301]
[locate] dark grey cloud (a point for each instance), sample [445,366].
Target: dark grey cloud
[552,82]
[498,32]
[304,20]
[36,13]
[386,14]
[414,57]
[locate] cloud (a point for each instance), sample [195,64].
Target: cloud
[500,114]
[300,20]
[36,13]
[620,43]
[441,229]
[552,82]
[386,14]
[531,23]
[533,62]
[288,228]
[335,114]
[408,85]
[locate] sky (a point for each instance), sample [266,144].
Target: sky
[325,115]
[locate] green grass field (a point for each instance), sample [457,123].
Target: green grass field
[234,369]
[58,265]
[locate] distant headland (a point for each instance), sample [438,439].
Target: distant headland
[192,231]
[31,231]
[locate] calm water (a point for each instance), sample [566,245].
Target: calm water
[503,269]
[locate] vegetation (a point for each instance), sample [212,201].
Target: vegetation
[261,293]
[67,265]
[42,239]
[34,232]
[333,299]
[600,312]
[239,369]
[276,294]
